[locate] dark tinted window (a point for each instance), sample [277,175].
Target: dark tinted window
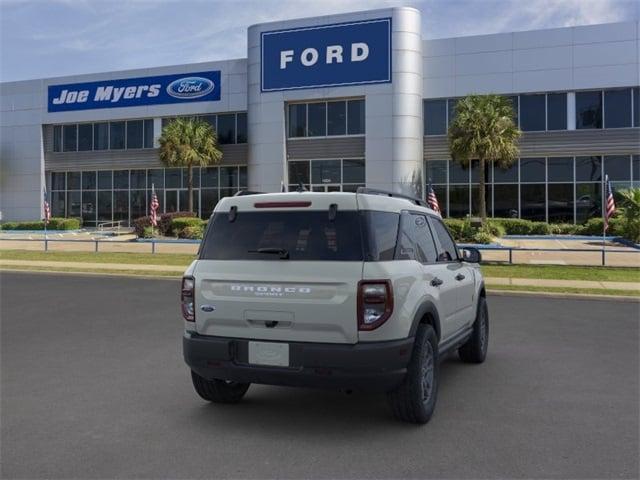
[355,117]
[452,103]
[337,118]
[210,177]
[502,175]
[57,181]
[436,171]
[121,179]
[155,178]
[135,129]
[116,135]
[325,171]
[617,108]
[557,111]
[226,128]
[85,137]
[241,128]
[305,235]
[70,138]
[101,136]
[560,169]
[532,169]
[88,180]
[446,248]
[560,202]
[588,169]
[458,200]
[148,134]
[435,117]
[589,109]
[381,232]
[505,201]
[353,171]
[458,173]
[138,178]
[298,120]
[229,177]
[421,234]
[635,163]
[317,119]
[299,172]
[57,138]
[532,112]
[636,107]
[618,167]
[532,202]
[588,201]
[105,180]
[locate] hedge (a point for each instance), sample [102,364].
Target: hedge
[192,232]
[55,223]
[164,225]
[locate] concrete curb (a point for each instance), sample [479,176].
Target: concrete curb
[584,296]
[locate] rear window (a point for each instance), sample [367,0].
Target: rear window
[304,235]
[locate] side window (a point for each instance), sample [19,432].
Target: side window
[447,250]
[415,241]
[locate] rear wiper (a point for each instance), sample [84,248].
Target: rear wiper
[284,254]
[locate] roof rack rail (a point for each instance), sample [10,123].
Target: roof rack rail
[386,193]
[242,193]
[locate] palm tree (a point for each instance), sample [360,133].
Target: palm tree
[630,211]
[187,142]
[484,129]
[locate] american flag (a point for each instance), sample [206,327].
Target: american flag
[47,208]
[432,200]
[154,207]
[609,203]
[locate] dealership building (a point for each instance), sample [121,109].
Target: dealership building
[334,103]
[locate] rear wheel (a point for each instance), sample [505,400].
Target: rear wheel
[415,399]
[219,391]
[475,349]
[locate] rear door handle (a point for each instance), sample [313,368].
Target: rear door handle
[460,277]
[436,282]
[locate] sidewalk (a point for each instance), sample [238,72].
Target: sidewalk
[490,281]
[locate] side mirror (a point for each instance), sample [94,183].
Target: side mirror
[471,255]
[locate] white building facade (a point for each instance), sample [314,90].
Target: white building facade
[334,103]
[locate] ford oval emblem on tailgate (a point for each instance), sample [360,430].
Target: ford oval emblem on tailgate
[207,308]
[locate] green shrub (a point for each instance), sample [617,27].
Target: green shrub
[593,227]
[139,224]
[539,228]
[8,225]
[192,232]
[178,224]
[164,224]
[147,232]
[455,226]
[496,229]
[482,236]
[58,223]
[514,226]
[564,228]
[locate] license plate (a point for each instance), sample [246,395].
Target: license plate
[269,353]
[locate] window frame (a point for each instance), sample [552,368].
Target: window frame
[306,135]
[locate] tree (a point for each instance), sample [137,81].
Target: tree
[189,143]
[630,212]
[484,129]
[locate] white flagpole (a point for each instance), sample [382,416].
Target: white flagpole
[604,195]
[153,193]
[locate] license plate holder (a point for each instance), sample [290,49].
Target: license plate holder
[273,354]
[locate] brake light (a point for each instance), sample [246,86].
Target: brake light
[375,303]
[281,204]
[187,298]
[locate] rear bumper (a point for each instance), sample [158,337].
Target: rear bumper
[375,366]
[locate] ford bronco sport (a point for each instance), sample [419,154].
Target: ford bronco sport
[361,290]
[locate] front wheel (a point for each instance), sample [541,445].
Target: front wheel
[415,399]
[219,391]
[474,350]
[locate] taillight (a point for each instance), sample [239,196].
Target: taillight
[187,299]
[375,303]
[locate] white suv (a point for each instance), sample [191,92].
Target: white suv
[361,290]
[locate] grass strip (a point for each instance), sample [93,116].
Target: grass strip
[175,259]
[581,291]
[141,273]
[563,272]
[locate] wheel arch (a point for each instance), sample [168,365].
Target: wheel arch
[428,314]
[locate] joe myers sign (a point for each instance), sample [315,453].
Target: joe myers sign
[351,53]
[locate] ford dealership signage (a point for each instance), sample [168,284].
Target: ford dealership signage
[353,53]
[135,92]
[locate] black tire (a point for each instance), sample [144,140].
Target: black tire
[474,350]
[219,391]
[414,400]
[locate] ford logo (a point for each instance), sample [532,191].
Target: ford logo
[190,87]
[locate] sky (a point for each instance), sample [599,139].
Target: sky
[51,38]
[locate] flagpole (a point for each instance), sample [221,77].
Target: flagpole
[604,216]
[153,192]
[45,220]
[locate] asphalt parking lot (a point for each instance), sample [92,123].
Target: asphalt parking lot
[93,386]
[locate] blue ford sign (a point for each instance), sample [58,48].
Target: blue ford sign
[353,53]
[135,92]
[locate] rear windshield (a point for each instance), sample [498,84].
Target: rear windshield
[303,235]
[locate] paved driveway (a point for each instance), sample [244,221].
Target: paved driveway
[93,386]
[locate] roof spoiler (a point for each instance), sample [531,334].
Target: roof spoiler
[385,193]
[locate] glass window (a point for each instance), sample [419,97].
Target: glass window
[458,200]
[317,118]
[148,133]
[298,120]
[560,169]
[381,232]
[57,138]
[436,171]
[452,103]
[210,119]
[556,111]
[241,134]
[74,204]
[121,205]
[355,117]
[57,204]
[306,235]
[243,177]
[532,170]
[85,137]
[514,104]
[441,196]
[636,107]
[209,177]
[209,198]
[435,117]
[337,118]
[155,178]
[172,177]
[560,202]
[508,175]
[532,202]
[618,167]
[70,134]
[325,171]
[505,201]
[416,237]
[588,201]
[532,112]
[353,171]
[89,180]
[138,179]
[635,166]
[588,169]
[88,207]
[101,136]
[299,172]
[139,204]
[617,108]
[58,181]
[195,173]
[116,135]
[457,173]
[475,171]
[105,179]
[229,178]
[105,206]
[184,201]
[135,133]
[475,199]
[589,109]
[73,180]
[447,250]
[121,179]
[227,128]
